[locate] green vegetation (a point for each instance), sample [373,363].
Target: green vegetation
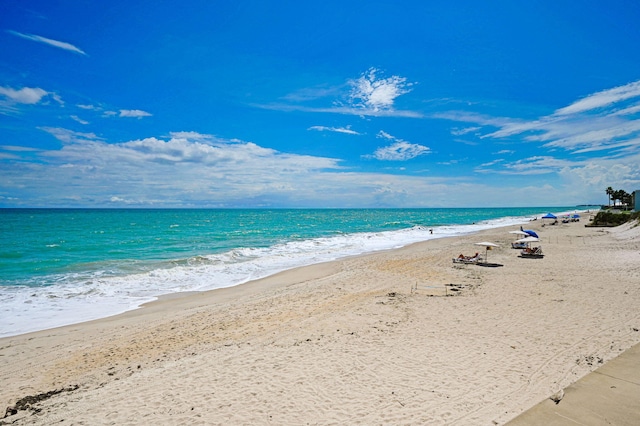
[621,195]
[608,218]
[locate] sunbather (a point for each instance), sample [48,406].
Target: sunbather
[467,259]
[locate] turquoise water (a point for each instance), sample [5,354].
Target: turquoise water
[60,266]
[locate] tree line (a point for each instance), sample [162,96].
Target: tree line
[619,195]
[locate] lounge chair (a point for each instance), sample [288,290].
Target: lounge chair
[532,253]
[468,259]
[517,245]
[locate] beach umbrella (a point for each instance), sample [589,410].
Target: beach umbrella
[575,216]
[487,246]
[528,239]
[549,216]
[518,232]
[529,232]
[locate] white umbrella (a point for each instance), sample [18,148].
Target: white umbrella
[487,245]
[518,232]
[528,240]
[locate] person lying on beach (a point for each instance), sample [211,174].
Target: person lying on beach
[463,257]
[531,250]
[467,259]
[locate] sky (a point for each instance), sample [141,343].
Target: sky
[270,104]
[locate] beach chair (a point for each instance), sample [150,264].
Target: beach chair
[468,259]
[532,253]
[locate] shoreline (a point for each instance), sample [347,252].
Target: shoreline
[30,309]
[366,337]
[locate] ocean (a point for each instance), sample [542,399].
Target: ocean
[64,266]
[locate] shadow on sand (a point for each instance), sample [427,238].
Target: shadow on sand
[489,265]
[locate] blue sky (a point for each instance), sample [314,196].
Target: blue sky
[318,103]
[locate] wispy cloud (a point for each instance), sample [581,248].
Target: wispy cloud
[79,120]
[602,99]
[55,43]
[399,150]
[135,113]
[346,129]
[370,95]
[460,132]
[346,110]
[605,121]
[26,95]
[71,137]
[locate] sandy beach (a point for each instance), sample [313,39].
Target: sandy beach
[400,337]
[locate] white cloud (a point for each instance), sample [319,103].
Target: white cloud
[399,150]
[371,92]
[601,132]
[79,120]
[193,169]
[602,99]
[606,121]
[90,107]
[190,169]
[368,96]
[460,132]
[312,93]
[18,148]
[347,110]
[135,113]
[537,165]
[69,136]
[26,95]
[50,42]
[346,129]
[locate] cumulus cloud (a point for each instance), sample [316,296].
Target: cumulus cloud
[186,168]
[399,150]
[346,129]
[26,95]
[55,43]
[193,169]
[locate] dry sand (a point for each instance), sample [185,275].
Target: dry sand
[376,339]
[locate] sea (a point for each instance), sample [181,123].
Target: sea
[65,266]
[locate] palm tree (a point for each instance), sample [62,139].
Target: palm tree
[610,193]
[615,197]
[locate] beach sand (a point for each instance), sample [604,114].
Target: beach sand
[395,337]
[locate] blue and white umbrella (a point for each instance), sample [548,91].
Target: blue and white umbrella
[529,232]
